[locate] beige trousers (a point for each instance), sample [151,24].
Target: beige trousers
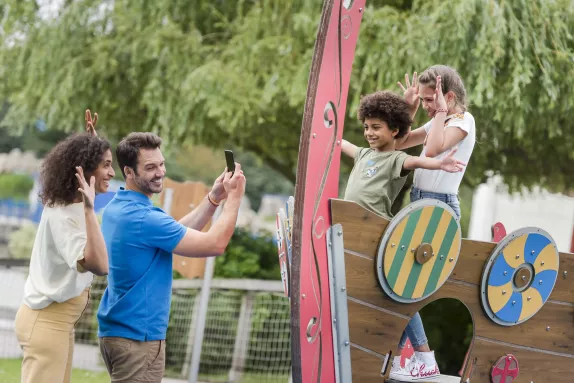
[47,339]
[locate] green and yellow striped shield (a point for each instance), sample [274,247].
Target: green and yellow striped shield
[425,222]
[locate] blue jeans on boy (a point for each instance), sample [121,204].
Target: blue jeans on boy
[415,329]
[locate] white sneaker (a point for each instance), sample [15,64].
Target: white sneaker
[421,367]
[396,366]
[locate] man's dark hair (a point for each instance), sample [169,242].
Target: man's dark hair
[128,149]
[388,107]
[58,170]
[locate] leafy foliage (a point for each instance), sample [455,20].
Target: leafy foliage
[21,241]
[15,186]
[200,163]
[8,141]
[178,329]
[261,179]
[269,310]
[449,329]
[248,256]
[225,73]
[236,72]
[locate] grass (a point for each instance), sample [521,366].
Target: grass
[10,373]
[245,378]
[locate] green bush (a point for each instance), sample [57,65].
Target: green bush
[21,241]
[270,337]
[220,332]
[449,329]
[87,326]
[180,318]
[15,186]
[248,256]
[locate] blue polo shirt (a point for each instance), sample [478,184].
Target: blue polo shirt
[140,239]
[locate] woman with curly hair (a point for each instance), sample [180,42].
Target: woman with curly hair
[68,250]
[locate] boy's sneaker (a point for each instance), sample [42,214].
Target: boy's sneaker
[421,367]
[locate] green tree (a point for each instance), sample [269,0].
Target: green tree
[236,72]
[248,256]
[15,186]
[200,163]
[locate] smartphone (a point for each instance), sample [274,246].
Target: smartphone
[230,161]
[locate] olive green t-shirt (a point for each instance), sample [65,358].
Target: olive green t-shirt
[376,179]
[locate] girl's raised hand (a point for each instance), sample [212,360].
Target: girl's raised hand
[411,92]
[439,101]
[91,124]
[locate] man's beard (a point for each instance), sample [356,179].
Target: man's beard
[147,187]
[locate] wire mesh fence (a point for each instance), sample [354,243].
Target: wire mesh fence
[246,337]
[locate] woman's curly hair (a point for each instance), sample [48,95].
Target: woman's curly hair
[59,185]
[388,107]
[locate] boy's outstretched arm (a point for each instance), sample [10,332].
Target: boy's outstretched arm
[448,163]
[348,148]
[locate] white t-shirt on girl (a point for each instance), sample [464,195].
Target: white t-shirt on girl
[59,245]
[439,181]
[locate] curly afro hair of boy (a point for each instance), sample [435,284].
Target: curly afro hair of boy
[388,107]
[59,185]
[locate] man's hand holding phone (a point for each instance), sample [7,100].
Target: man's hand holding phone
[234,183]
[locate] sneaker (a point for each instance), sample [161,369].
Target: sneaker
[422,366]
[396,366]
[396,369]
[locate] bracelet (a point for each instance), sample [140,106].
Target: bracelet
[211,201]
[441,110]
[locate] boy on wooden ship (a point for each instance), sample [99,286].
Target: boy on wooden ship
[378,175]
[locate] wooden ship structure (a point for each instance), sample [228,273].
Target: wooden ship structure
[355,279]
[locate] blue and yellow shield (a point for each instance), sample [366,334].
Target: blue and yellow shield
[519,276]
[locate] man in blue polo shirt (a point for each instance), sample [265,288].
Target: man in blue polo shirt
[140,239]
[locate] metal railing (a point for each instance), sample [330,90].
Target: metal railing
[246,335]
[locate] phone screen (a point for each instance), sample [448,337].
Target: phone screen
[230,161]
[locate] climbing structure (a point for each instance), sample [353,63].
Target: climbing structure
[518,292]
[355,279]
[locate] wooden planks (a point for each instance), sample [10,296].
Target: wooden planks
[543,345]
[473,257]
[186,197]
[366,366]
[362,286]
[475,254]
[363,230]
[564,288]
[373,329]
[534,366]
